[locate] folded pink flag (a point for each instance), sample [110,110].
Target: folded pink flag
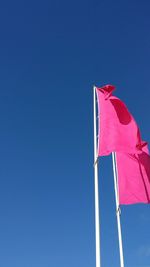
[118,130]
[134,177]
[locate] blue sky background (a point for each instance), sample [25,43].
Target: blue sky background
[51,54]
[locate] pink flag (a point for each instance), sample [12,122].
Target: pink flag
[134,177]
[118,130]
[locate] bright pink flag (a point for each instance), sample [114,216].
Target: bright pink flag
[118,130]
[134,177]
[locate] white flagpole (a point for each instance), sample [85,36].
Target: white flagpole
[97,219]
[115,171]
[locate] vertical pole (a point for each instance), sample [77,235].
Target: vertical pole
[97,220]
[117,208]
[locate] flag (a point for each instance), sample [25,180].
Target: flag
[118,130]
[134,177]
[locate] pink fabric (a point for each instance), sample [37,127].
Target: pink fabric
[117,128]
[134,177]
[118,132]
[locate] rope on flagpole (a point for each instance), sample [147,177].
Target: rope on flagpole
[97,216]
[118,211]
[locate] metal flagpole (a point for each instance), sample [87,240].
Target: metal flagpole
[97,219]
[117,208]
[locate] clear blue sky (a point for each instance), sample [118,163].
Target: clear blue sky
[51,54]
